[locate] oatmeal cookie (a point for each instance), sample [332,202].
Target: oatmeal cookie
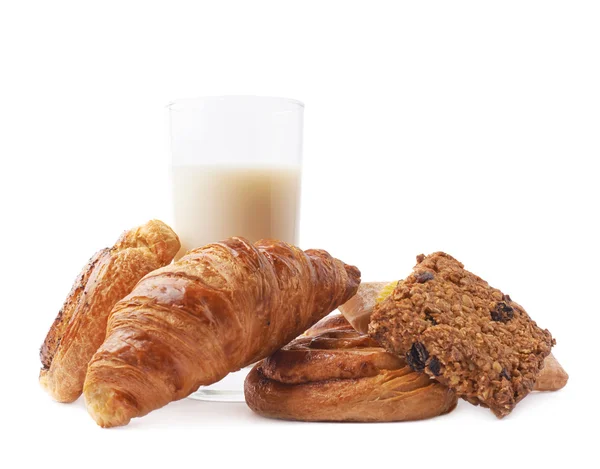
[452,325]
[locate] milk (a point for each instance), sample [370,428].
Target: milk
[212,203]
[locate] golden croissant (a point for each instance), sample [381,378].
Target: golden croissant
[219,308]
[80,326]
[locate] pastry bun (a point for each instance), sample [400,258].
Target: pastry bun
[334,373]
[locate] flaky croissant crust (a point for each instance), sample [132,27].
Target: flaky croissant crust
[80,326]
[217,309]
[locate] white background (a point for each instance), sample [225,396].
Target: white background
[469,127]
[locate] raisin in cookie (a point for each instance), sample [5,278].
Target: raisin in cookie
[455,327]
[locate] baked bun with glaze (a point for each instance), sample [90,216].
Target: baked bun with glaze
[334,373]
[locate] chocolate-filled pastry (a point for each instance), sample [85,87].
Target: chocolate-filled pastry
[334,373]
[80,326]
[217,309]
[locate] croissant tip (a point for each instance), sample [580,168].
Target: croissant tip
[56,389]
[106,406]
[353,271]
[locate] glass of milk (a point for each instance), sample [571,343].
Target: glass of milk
[235,171]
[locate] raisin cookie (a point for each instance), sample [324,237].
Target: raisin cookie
[452,325]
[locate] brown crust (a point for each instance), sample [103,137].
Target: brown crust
[334,373]
[215,310]
[452,325]
[80,326]
[60,324]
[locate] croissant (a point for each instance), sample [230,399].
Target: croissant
[219,308]
[80,326]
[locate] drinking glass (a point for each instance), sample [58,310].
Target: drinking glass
[235,171]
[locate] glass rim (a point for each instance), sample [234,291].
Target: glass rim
[193,102]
